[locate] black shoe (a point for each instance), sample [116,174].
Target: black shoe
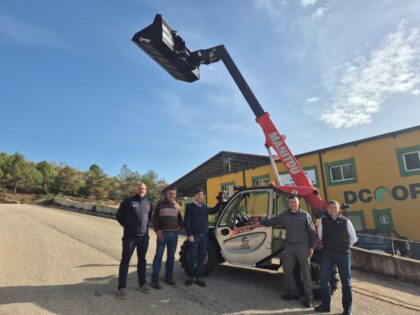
[170,281]
[289,296]
[307,303]
[322,309]
[155,285]
[200,282]
[347,313]
[189,282]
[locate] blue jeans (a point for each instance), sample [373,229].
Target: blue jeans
[128,246]
[170,240]
[343,263]
[196,255]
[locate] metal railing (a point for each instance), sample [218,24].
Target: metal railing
[392,245]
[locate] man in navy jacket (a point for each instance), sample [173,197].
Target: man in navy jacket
[196,226]
[337,235]
[134,215]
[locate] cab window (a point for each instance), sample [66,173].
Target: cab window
[229,214]
[254,203]
[246,205]
[280,204]
[250,205]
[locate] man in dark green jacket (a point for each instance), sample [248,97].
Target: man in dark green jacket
[298,247]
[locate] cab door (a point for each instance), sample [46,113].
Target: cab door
[241,245]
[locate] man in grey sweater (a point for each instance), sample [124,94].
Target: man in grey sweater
[298,247]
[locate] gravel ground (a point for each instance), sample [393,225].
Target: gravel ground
[60,262]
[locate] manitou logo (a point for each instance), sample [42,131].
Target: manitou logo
[284,153]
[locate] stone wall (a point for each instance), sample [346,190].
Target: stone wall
[86,206]
[401,268]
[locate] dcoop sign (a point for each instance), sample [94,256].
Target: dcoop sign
[383,194]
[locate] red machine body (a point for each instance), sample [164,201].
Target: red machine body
[303,186]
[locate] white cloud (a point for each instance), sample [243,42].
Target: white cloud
[312,99]
[306,3]
[274,8]
[15,31]
[415,92]
[393,67]
[319,13]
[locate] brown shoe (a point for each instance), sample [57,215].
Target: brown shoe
[144,289]
[122,294]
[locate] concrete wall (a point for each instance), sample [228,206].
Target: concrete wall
[86,206]
[404,269]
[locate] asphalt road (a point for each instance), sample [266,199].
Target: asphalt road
[62,262]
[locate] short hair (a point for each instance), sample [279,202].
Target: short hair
[292,196]
[334,202]
[141,183]
[199,190]
[171,188]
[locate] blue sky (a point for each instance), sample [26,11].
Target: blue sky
[75,89]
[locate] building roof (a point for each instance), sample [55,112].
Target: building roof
[384,135]
[222,163]
[219,164]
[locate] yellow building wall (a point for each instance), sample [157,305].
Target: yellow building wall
[376,165]
[214,185]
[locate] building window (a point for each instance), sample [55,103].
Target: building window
[341,172]
[311,173]
[228,189]
[412,161]
[383,218]
[357,218]
[409,160]
[260,181]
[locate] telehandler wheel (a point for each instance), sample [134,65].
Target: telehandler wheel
[315,275]
[211,256]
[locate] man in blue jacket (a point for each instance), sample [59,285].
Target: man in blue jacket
[134,215]
[196,226]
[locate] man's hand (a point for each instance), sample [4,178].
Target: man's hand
[191,239]
[159,235]
[311,252]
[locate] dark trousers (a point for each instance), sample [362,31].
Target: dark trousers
[170,241]
[128,246]
[343,263]
[196,255]
[292,254]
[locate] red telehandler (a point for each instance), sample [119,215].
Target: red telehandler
[230,241]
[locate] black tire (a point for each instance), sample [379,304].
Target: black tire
[315,275]
[210,261]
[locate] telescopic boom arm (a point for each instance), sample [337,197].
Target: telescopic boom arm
[168,49]
[273,139]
